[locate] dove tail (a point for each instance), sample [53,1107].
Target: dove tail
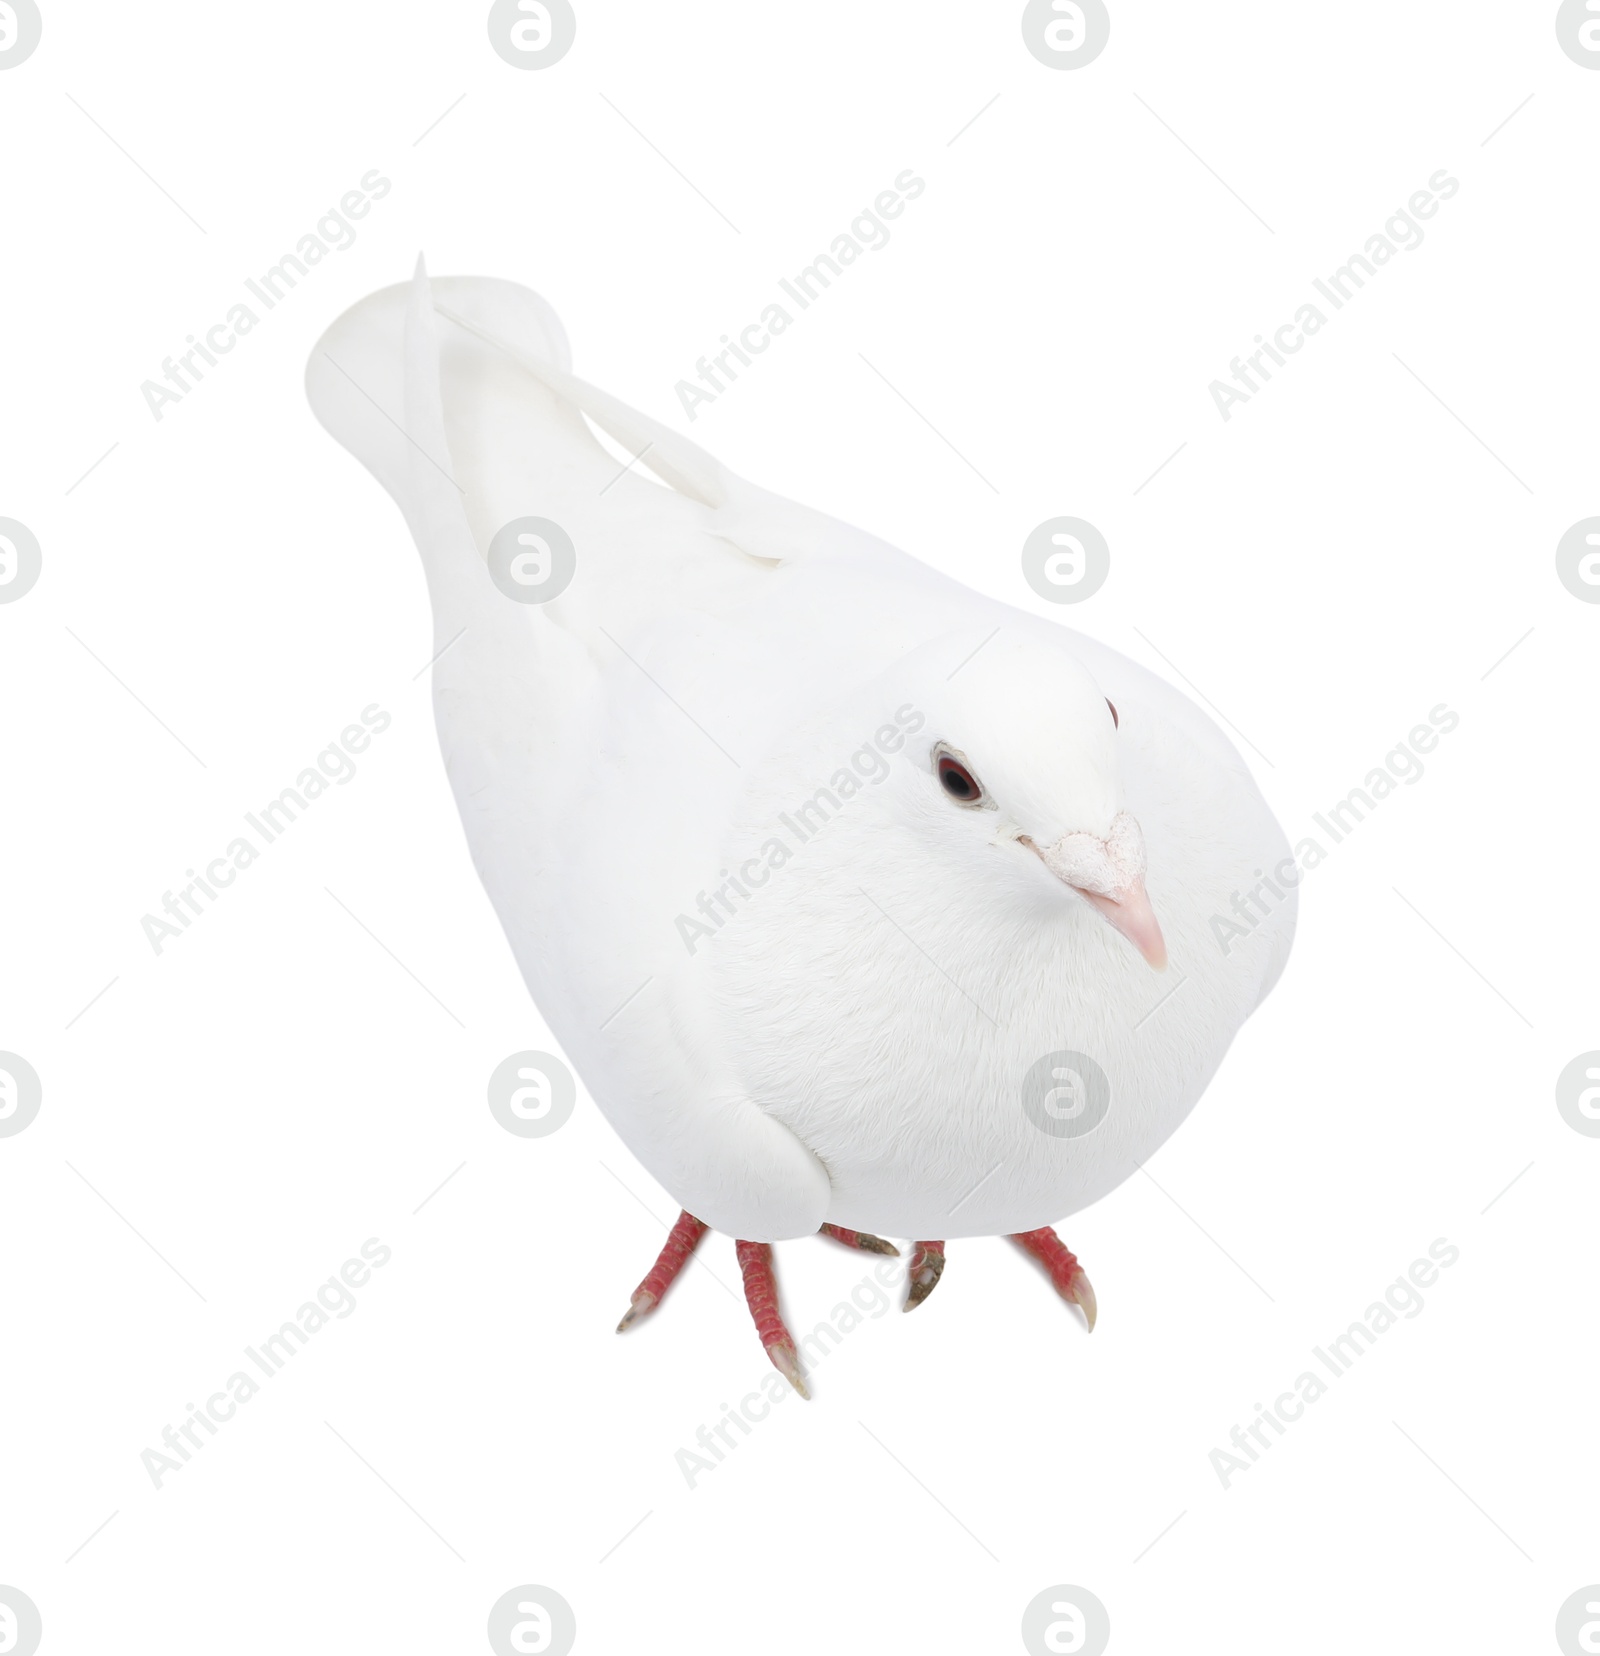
[376,382]
[685,466]
[356,374]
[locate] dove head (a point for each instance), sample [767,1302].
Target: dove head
[1020,758]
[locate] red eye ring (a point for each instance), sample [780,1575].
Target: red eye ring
[958,781]
[1116,723]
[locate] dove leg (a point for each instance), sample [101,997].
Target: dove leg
[864,1240]
[681,1242]
[1061,1266]
[922,1275]
[761,1294]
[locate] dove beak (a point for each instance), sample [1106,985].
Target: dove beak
[1132,915]
[1108,874]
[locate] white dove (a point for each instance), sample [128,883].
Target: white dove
[832,876]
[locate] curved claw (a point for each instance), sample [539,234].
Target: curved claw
[864,1240]
[1061,1265]
[641,1305]
[787,1364]
[922,1275]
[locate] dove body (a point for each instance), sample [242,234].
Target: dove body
[879,1022]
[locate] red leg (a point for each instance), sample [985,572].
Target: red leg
[864,1240]
[922,1276]
[1062,1268]
[761,1294]
[681,1242]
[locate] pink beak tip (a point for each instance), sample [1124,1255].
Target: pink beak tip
[1133,916]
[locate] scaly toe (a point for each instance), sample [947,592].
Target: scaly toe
[761,1295]
[682,1240]
[864,1240]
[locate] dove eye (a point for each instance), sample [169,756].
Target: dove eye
[1116,723]
[958,781]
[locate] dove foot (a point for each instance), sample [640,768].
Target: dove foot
[1062,1267]
[761,1294]
[864,1240]
[682,1240]
[922,1275]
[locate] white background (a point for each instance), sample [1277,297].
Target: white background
[1341,556]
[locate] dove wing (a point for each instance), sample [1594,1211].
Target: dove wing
[551,726]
